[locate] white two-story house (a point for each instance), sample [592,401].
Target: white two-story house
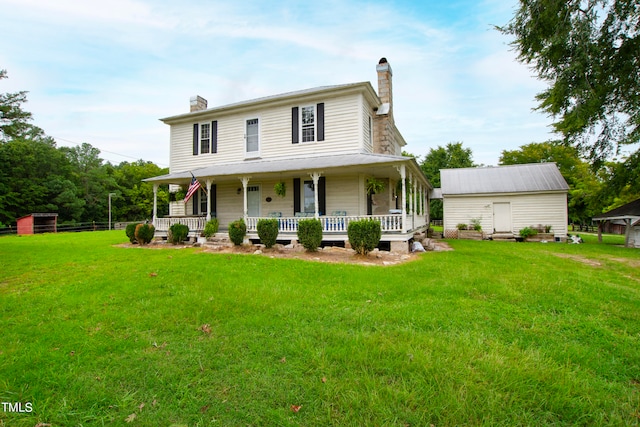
[322,148]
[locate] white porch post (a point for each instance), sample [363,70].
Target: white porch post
[316,177]
[245,183]
[415,201]
[403,176]
[155,204]
[208,200]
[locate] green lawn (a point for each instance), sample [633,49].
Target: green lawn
[488,334]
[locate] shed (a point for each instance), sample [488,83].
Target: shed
[630,214]
[38,223]
[506,199]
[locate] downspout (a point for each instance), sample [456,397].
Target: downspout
[245,183]
[403,175]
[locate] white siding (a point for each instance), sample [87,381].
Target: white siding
[526,210]
[342,124]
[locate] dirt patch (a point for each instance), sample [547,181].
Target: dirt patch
[581,259]
[328,254]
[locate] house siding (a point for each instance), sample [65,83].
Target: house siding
[526,210]
[342,124]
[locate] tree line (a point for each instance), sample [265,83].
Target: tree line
[38,176]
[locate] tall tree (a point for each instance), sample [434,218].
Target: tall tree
[589,53]
[14,121]
[453,155]
[584,198]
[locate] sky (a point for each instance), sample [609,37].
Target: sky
[105,72]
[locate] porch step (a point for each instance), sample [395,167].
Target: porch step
[503,237]
[218,241]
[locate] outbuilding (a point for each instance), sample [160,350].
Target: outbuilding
[505,199]
[38,223]
[630,214]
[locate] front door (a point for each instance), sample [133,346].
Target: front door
[502,217]
[253,200]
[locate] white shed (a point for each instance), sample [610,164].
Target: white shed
[505,199]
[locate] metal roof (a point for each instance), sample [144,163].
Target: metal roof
[629,211]
[271,98]
[527,178]
[287,165]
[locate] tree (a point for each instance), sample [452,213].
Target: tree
[584,198]
[13,119]
[449,157]
[588,51]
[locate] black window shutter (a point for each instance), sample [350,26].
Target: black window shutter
[195,139]
[320,118]
[296,195]
[195,203]
[294,126]
[214,136]
[322,195]
[214,205]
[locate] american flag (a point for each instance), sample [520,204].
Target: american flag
[193,187]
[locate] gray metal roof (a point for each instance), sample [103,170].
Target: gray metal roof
[528,178]
[629,211]
[281,96]
[302,164]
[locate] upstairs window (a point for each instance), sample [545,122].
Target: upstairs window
[205,138]
[252,136]
[307,123]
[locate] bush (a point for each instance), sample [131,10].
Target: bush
[131,232]
[211,227]
[268,231]
[177,233]
[364,235]
[461,226]
[144,233]
[310,234]
[237,231]
[527,232]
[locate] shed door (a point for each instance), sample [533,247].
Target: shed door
[502,217]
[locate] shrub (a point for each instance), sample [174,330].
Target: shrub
[211,227]
[268,231]
[461,226]
[475,224]
[527,232]
[131,232]
[237,231]
[144,233]
[177,233]
[364,235]
[310,234]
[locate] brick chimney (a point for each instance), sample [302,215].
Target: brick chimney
[384,125]
[197,103]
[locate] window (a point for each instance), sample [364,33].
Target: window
[205,138]
[308,123]
[253,136]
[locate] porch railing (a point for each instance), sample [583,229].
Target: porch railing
[330,224]
[195,223]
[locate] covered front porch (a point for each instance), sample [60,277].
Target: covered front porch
[334,189]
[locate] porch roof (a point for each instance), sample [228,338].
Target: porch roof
[355,161]
[630,211]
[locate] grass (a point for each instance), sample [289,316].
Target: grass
[488,334]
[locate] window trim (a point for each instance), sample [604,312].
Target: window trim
[302,127]
[201,139]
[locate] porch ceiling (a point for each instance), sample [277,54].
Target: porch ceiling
[374,164]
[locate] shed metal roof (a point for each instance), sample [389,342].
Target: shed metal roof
[629,211]
[527,178]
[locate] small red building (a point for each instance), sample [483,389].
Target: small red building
[38,223]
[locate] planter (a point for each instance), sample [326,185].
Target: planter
[548,237]
[470,235]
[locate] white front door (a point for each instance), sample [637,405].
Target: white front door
[502,217]
[253,200]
